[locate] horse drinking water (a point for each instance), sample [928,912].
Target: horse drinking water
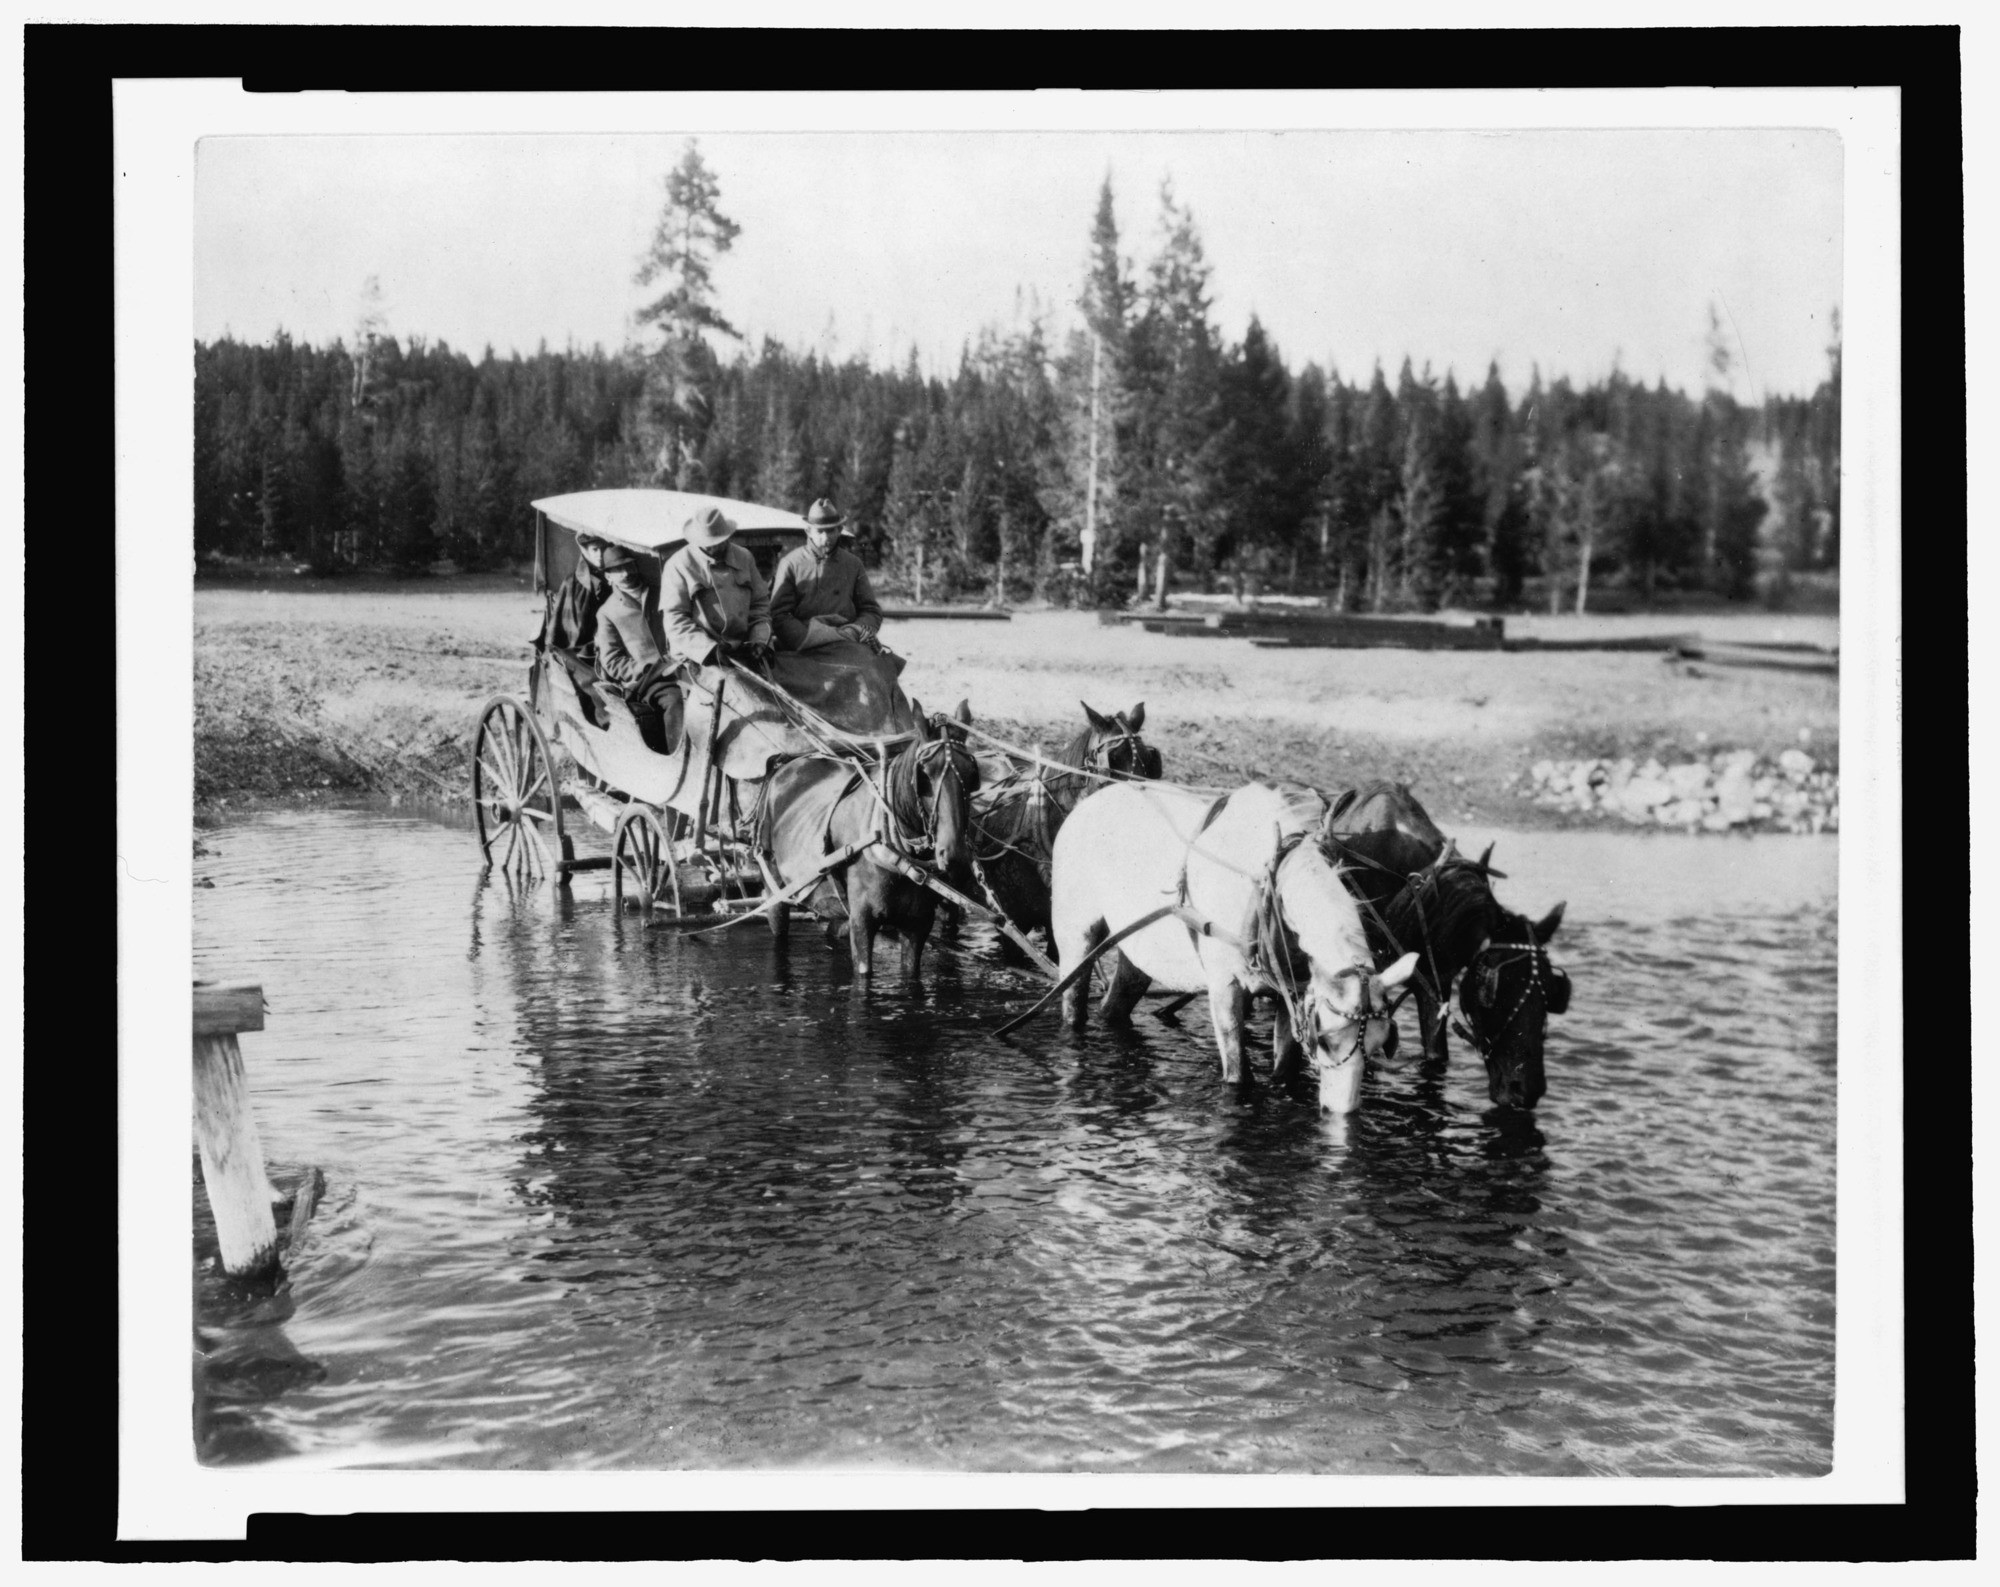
[1419,893]
[1232,896]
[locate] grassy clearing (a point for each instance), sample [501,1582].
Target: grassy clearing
[306,693]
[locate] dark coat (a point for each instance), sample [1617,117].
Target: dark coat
[572,619]
[835,590]
[630,636]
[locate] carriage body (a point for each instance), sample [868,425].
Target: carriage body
[647,523]
[678,808]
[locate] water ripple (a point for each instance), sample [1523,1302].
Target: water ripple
[609,1197]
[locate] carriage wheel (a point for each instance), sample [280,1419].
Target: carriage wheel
[643,860]
[517,793]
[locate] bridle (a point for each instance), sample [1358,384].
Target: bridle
[1102,747]
[1272,957]
[1555,991]
[924,758]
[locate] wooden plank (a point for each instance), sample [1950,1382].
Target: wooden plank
[232,1158]
[225,1008]
[1643,642]
[305,1200]
[1745,656]
[963,614]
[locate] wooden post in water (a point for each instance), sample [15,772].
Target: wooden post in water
[232,1158]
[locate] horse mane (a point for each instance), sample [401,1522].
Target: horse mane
[1325,920]
[1453,909]
[899,777]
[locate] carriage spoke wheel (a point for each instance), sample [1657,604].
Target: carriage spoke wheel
[642,861]
[517,793]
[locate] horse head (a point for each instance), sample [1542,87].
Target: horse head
[1116,740]
[1343,1005]
[930,788]
[1506,994]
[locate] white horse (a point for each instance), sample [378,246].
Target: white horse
[1254,905]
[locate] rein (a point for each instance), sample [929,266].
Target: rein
[1050,794]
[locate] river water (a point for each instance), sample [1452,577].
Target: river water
[603,1196]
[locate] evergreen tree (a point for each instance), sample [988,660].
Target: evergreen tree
[1175,342]
[1496,453]
[1100,404]
[1262,483]
[1380,483]
[1461,531]
[691,233]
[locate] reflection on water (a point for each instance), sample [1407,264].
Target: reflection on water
[606,1196]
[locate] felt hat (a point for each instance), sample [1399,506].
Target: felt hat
[614,555]
[709,527]
[822,514]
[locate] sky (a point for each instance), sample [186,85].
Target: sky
[1571,250]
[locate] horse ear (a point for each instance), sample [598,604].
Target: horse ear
[1136,717]
[1488,855]
[1448,853]
[1545,928]
[1400,971]
[1097,721]
[963,713]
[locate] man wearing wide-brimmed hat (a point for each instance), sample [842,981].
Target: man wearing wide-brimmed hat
[820,592]
[713,600]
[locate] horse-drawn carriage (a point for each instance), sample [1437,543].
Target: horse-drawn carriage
[813,784]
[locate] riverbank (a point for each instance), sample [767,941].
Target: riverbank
[314,693]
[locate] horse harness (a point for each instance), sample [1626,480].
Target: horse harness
[1272,953]
[1555,992]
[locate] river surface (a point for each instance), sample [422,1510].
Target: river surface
[603,1196]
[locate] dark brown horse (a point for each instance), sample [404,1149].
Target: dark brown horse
[1015,821]
[917,807]
[1418,893]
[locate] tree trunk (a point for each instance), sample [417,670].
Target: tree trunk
[1160,578]
[1583,572]
[1139,588]
[919,596]
[1090,489]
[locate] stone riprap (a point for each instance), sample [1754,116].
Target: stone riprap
[1734,790]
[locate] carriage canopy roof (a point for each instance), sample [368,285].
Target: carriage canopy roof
[651,520]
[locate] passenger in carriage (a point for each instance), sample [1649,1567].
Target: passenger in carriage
[820,591]
[570,632]
[713,601]
[632,645]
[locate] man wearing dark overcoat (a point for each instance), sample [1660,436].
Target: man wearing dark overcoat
[820,591]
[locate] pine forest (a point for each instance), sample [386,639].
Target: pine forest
[1131,455]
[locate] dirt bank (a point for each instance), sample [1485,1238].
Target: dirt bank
[301,694]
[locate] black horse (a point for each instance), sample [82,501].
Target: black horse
[1419,893]
[1015,820]
[917,807]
